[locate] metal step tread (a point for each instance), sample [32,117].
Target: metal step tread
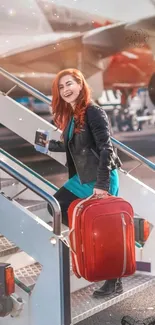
[32,205]
[7,247]
[28,275]
[84,305]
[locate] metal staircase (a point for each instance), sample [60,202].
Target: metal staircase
[37,248]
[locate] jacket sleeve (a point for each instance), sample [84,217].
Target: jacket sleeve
[56,146]
[99,126]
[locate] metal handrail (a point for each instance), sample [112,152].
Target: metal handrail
[119,145]
[54,204]
[133,154]
[28,169]
[25,86]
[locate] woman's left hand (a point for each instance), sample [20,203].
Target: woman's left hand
[98,191]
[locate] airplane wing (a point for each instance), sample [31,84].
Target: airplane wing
[38,59]
[44,53]
[52,52]
[37,53]
[147,23]
[119,36]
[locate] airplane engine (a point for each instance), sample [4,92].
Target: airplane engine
[151,88]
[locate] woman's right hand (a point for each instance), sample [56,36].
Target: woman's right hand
[55,146]
[46,142]
[99,192]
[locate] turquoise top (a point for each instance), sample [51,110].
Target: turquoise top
[84,190]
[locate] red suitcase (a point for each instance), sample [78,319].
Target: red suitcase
[102,238]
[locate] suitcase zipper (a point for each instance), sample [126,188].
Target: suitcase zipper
[79,209]
[76,212]
[131,221]
[124,241]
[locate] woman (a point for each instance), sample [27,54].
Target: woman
[91,160]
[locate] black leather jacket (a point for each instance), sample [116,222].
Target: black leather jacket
[90,153]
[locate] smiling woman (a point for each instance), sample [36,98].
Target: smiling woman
[92,163]
[69,89]
[70,93]
[91,160]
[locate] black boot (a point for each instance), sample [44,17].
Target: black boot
[109,287]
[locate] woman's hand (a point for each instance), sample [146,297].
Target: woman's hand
[99,192]
[45,142]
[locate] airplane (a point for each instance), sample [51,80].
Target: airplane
[54,36]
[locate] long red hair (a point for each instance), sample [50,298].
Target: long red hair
[62,111]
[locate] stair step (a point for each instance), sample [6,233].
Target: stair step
[25,264]
[7,247]
[83,303]
[27,276]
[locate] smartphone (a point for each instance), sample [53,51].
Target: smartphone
[40,137]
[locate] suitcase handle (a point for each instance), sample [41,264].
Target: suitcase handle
[70,235]
[99,196]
